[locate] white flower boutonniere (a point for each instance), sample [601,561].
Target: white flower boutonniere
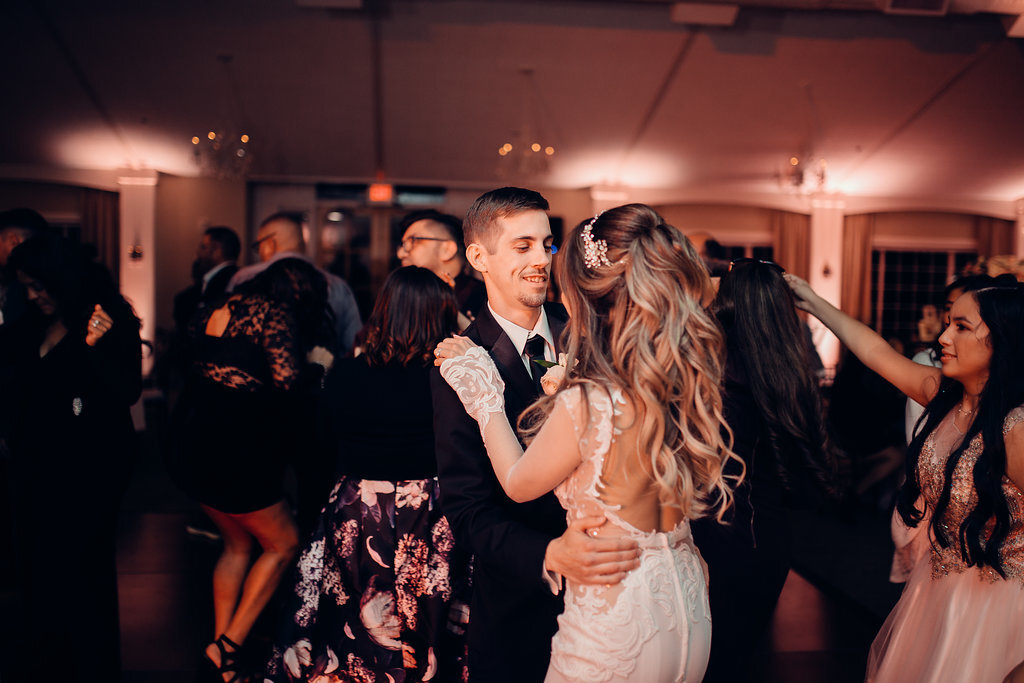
[555,375]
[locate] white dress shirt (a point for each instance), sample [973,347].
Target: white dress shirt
[519,335]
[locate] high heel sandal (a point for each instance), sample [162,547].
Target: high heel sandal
[230,663]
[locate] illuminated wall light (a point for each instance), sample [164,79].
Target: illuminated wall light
[195,140]
[381,192]
[535,147]
[793,161]
[507,147]
[211,135]
[335,216]
[502,151]
[245,138]
[549,150]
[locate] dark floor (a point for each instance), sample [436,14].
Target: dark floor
[830,608]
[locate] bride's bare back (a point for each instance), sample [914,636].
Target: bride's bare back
[626,481]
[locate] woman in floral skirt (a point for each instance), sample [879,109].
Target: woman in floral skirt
[381,578]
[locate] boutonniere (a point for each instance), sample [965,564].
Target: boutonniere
[553,378]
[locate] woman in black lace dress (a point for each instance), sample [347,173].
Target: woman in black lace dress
[231,429]
[381,577]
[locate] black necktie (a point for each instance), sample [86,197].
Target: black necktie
[535,352]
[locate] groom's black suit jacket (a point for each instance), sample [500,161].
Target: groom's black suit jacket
[513,612]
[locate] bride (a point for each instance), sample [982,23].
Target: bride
[634,432]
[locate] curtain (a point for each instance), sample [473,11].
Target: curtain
[994,235]
[855,291]
[791,240]
[101,226]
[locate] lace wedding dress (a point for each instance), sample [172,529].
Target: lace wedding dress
[654,626]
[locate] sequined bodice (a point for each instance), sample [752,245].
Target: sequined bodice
[963,498]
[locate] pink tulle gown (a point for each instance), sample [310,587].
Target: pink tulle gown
[953,623]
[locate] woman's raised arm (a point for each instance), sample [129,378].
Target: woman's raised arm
[919,382]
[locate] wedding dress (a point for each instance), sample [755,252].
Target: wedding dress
[654,626]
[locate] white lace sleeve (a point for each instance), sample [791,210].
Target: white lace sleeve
[476,382]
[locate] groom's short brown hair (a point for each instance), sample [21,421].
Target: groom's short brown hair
[478,226]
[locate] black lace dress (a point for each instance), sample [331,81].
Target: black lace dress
[229,431]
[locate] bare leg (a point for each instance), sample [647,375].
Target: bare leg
[230,570]
[275,530]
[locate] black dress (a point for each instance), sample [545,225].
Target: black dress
[748,559]
[231,421]
[381,590]
[72,446]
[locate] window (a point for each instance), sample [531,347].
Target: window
[904,281]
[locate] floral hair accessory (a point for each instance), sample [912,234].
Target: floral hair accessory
[595,252]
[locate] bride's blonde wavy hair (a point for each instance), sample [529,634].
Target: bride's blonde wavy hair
[638,324]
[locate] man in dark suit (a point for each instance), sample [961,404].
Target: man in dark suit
[521,550]
[212,270]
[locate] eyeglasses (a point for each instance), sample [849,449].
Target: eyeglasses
[771,264]
[256,245]
[409,242]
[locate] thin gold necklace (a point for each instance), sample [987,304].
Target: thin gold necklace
[970,415]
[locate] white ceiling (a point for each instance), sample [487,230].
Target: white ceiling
[898,106]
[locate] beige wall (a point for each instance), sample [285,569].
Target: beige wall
[921,229]
[185,207]
[727,224]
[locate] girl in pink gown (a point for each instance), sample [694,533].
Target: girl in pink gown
[961,512]
[633,433]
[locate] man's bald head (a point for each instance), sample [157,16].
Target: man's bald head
[279,233]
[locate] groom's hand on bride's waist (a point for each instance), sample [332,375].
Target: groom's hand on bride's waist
[585,558]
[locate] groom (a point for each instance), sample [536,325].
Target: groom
[521,550]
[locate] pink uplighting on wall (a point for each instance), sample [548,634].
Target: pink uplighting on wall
[598,166]
[99,148]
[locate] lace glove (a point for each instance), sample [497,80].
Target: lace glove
[475,379]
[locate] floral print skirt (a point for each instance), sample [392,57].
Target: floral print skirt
[381,593]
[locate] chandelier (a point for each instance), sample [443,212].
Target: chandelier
[526,153]
[805,175]
[225,151]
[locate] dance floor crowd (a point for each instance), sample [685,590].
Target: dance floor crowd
[530,462]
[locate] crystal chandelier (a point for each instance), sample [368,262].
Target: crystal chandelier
[527,152]
[225,151]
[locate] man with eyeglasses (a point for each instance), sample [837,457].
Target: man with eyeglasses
[280,238]
[433,240]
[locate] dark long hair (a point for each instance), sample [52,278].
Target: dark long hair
[1002,310]
[74,281]
[414,311]
[756,309]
